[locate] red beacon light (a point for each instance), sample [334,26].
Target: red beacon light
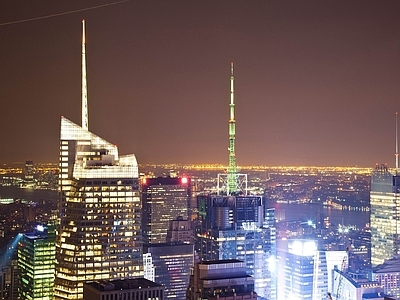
[144,180]
[184,180]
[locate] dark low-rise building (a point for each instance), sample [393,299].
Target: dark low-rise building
[129,289]
[221,279]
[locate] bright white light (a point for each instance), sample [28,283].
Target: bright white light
[303,248]
[40,228]
[272,263]
[309,222]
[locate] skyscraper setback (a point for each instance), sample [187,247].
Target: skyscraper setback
[99,234]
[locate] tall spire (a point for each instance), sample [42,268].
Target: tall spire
[232,168]
[397,149]
[85,119]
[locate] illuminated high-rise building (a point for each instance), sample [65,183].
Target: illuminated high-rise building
[385,212]
[163,199]
[99,231]
[172,263]
[240,227]
[36,259]
[306,272]
[385,215]
[235,225]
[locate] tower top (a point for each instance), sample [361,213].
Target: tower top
[232,168]
[85,119]
[232,183]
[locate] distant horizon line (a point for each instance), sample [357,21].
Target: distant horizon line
[216,165]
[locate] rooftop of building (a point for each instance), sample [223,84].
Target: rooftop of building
[222,261]
[360,282]
[373,296]
[167,244]
[225,276]
[389,266]
[123,284]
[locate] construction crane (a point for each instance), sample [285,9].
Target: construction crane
[339,285]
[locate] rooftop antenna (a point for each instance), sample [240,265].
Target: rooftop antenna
[85,119]
[232,182]
[397,149]
[232,167]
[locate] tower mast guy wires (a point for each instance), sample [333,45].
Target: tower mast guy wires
[85,118]
[232,168]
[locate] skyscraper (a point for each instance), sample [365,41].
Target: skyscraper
[385,208]
[163,199]
[99,234]
[36,256]
[385,217]
[172,263]
[239,227]
[234,225]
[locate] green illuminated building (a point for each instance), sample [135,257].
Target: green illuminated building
[36,263]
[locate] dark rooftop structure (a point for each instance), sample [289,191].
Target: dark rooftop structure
[135,288]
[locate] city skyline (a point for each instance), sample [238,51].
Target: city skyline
[316,83]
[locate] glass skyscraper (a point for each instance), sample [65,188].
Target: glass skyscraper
[172,263]
[239,227]
[99,231]
[163,199]
[99,235]
[385,215]
[36,257]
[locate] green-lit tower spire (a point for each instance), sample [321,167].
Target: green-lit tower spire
[232,184]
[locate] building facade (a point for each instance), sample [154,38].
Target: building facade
[385,215]
[127,289]
[348,287]
[99,231]
[388,276]
[306,272]
[163,199]
[239,227]
[36,264]
[172,263]
[99,235]
[9,280]
[180,230]
[221,279]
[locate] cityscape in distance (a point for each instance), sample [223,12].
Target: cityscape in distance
[101,225]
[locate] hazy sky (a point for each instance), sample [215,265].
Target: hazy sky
[317,82]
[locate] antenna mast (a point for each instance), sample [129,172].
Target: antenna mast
[232,182]
[232,168]
[397,149]
[85,119]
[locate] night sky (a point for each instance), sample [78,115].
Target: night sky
[316,82]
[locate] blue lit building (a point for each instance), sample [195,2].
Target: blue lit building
[239,227]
